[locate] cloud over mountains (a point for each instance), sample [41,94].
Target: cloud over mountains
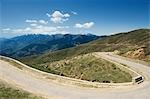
[84,25]
[58,17]
[55,24]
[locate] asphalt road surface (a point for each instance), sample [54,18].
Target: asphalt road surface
[52,90]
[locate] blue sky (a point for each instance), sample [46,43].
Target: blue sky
[100,17]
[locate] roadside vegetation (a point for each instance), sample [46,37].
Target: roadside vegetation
[9,92]
[12,62]
[86,67]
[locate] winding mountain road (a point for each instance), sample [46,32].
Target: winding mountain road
[51,90]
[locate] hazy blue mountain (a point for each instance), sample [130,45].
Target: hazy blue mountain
[32,44]
[2,39]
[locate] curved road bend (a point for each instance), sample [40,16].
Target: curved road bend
[52,90]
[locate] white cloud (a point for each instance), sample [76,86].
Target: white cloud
[39,26]
[17,30]
[78,25]
[58,17]
[43,22]
[6,29]
[75,13]
[85,25]
[61,31]
[31,21]
[62,27]
[39,29]
[33,24]
[66,15]
[43,30]
[48,15]
[27,29]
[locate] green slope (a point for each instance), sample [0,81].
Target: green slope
[134,44]
[133,41]
[88,67]
[9,92]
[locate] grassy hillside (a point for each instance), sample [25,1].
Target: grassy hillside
[8,92]
[134,44]
[86,67]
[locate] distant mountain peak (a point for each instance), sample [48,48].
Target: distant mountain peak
[31,44]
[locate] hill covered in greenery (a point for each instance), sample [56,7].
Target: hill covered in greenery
[76,63]
[87,67]
[133,44]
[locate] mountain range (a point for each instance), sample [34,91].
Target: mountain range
[35,44]
[133,44]
[49,48]
[71,55]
